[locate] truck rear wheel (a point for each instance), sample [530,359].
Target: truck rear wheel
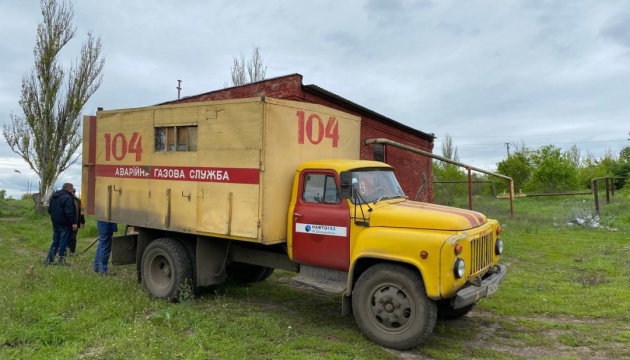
[246,273]
[165,267]
[391,307]
[191,249]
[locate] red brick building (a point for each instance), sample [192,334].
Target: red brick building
[412,170]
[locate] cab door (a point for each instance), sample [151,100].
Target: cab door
[321,222]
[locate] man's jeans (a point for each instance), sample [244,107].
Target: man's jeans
[61,235]
[104,249]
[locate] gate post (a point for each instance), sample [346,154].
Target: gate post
[594,187]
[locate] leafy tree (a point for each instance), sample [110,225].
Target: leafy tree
[47,135]
[621,168]
[552,171]
[592,168]
[247,72]
[518,167]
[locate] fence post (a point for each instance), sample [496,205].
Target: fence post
[594,187]
[470,204]
[608,180]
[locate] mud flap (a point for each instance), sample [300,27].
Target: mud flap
[124,249]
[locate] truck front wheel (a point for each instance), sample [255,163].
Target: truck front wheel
[165,267]
[391,307]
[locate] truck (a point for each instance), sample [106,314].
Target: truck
[235,189]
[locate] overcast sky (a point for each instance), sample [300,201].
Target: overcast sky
[485,72]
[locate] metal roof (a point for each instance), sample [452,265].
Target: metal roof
[363,110]
[333,98]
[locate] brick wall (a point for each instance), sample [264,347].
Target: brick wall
[412,170]
[286,87]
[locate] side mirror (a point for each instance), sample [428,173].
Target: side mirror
[346,185]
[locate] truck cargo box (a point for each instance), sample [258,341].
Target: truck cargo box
[220,168]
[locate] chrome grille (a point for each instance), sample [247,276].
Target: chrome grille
[481,252]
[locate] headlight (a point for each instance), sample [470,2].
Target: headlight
[460,268]
[498,247]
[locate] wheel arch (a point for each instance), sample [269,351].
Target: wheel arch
[364,263]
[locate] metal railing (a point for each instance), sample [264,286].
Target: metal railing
[441,158]
[494,188]
[609,189]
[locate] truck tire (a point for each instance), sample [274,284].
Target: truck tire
[191,249]
[391,307]
[241,273]
[165,267]
[446,311]
[268,272]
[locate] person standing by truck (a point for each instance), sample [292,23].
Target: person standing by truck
[64,221]
[106,231]
[72,243]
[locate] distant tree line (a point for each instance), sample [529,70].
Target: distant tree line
[547,169]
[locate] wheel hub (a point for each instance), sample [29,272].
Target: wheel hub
[391,308]
[166,269]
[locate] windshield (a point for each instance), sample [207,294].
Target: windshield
[376,184]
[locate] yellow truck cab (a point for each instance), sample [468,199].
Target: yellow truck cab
[235,189]
[402,261]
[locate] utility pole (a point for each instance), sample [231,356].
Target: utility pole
[179,88]
[507,144]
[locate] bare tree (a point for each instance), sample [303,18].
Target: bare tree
[574,155]
[449,151]
[519,147]
[47,135]
[247,72]
[238,71]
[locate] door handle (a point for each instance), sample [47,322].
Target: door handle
[297,214]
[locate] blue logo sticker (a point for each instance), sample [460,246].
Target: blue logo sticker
[308,228]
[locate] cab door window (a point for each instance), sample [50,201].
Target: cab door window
[320,188]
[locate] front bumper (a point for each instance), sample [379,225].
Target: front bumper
[472,294]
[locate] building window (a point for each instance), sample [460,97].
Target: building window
[176,138]
[379,152]
[320,188]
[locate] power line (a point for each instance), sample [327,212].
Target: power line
[552,142]
[522,135]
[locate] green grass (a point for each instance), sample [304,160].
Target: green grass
[566,296]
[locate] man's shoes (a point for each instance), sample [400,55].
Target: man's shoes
[72,253]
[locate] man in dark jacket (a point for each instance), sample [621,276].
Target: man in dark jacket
[64,220]
[72,242]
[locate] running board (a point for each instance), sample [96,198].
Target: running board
[330,281]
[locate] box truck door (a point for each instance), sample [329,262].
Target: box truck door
[321,222]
